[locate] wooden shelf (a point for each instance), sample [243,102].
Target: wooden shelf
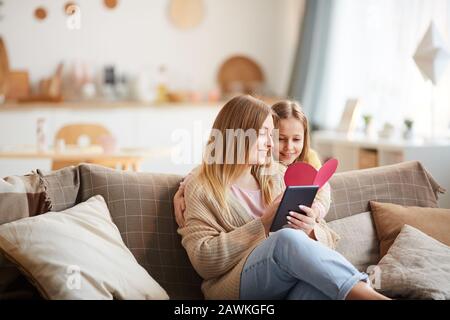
[105,104]
[101,104]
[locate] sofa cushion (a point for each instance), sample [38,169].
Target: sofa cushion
[358,243]
[406,183]
[390,218]
[415,267]
[77,254]
[20,197]
[142,208]
[62,187]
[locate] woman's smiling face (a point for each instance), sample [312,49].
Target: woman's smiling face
[264,143]
[291,139]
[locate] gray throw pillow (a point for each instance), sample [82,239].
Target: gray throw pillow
[358,243]
[415,267]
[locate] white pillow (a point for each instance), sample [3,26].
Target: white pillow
[77,254]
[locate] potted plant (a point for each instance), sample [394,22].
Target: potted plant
[368,130]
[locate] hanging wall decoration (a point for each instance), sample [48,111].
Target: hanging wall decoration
[110,4]
[70,8]
[186,14]
[40,13]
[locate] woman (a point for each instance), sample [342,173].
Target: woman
[292,146]
[229,209]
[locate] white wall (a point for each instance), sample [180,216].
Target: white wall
[138,35]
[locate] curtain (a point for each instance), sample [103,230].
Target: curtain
[310,61]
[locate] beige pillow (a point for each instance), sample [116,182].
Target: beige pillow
[77,254]
[415,267]
[359,242]
[389,219]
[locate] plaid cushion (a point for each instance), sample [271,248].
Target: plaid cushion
[141,207]
[62,187]
[406,183]
[20,197]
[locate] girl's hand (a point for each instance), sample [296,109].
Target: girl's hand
[318,209]
[179,206]
[269,213]
[305,223]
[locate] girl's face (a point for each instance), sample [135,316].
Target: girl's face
[290,144]
[264,143]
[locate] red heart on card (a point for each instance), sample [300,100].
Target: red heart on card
[304,174]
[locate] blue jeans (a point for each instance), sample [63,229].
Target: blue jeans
[290,265]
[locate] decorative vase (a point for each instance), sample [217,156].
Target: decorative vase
[108,143]
[369,130]
[408,134]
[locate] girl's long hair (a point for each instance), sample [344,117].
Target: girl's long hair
[241,112]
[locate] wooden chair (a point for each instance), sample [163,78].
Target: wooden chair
[72,132]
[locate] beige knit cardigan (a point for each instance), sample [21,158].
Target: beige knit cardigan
[218,243]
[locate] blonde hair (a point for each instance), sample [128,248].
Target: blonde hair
[288,109]
[241,112]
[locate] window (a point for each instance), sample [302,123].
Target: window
[370,57]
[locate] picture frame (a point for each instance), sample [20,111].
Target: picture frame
[349,116]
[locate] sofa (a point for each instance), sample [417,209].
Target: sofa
[141,207]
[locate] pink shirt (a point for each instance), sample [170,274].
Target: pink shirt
[251,199]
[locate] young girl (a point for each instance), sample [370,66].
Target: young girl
[293,146]
[229,210]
